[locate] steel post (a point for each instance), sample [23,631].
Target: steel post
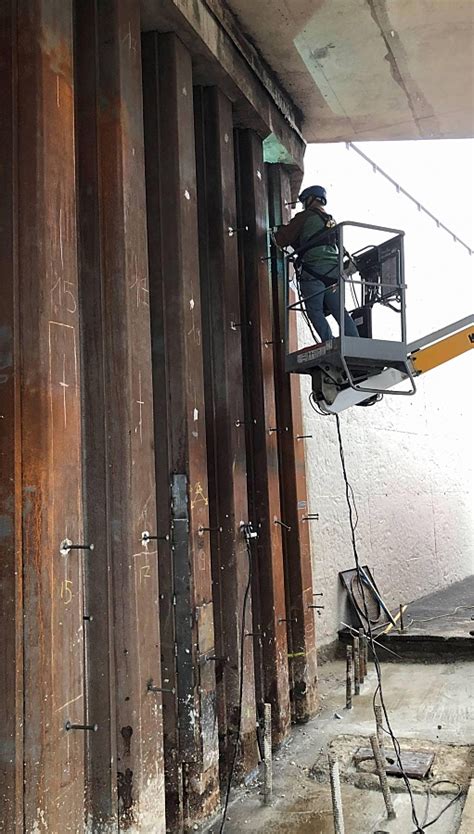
[223,377]
[40,493]
[122,585]
[180,428]
[294,500]
[256,300]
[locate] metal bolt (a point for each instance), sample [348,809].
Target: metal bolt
[231,231]
[303,436]
[67,545]
[202,530]
[217,659]
[89,727]
[311,517]
[281,523]
[151,688]
[234,324]
[147,537]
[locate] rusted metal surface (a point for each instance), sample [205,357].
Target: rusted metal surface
[266,511]
[296,543]
[179,406]
[40,407]
[173,765]
[120,466]
[101,790]
[228,503]
[11,572]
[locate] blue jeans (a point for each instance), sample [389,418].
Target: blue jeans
[316,296]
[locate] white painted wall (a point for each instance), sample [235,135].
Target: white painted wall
[410,460]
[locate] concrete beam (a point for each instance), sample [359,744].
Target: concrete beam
[222,56]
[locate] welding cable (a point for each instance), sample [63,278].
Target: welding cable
[241,679]
[443,810]
[395,742]
[442,616]
[420,829]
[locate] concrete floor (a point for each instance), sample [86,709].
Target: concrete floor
[430,706]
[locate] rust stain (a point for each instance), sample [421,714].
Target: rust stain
[125,794]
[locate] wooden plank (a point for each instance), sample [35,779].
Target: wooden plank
[263,429]
[180,412]
[121,500]
[291,445]
[228,501]
[41,414]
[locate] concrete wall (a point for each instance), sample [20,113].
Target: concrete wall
[410,460]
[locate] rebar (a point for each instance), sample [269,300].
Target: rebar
[402,624]
[379,726]
[361,656]
[380,766]
[336,794]
[267,755]
[356,655]
[348,677]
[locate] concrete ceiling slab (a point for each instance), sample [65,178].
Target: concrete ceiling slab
[370,69]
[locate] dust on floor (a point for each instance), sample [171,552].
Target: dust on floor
[430,707]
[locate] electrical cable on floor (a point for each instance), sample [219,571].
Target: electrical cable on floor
[396,745]
[248,534]
[442,616]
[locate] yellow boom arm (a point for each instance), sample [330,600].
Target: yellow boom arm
[441,346]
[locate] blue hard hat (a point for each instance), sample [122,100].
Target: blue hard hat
[316,191]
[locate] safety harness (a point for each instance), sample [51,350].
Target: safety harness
[297,256]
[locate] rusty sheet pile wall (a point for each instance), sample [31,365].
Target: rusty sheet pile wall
[145,416]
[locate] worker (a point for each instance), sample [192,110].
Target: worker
[319,264]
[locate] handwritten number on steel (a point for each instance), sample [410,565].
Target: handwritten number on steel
[66,591]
